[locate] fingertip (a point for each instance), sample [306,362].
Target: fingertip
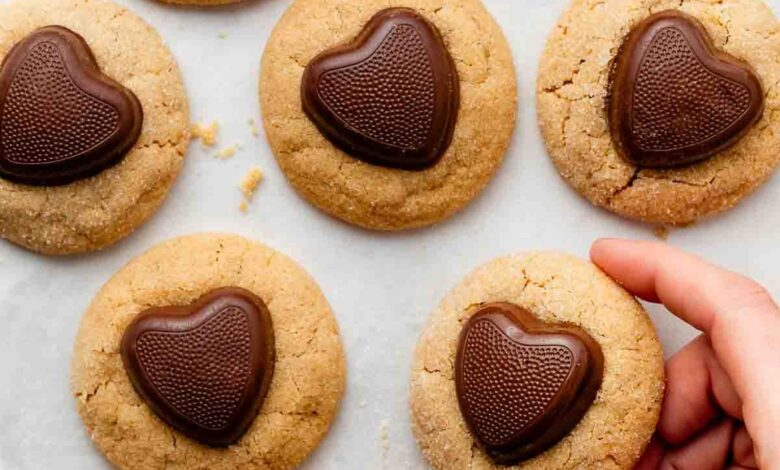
[601,249]
[687,406]
[742,449]
[708,449]
[606,249]
[629,263]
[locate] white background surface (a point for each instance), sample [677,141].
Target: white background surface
[381,286]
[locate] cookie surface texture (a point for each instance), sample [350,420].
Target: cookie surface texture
[573,86]
[374,196]
[558,289]
[201,3]
[308,376]
[94,212]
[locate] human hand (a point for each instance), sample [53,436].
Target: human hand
[722,403]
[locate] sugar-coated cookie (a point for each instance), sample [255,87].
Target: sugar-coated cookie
[93,120]
[208,351]
[662,111]
[201,3]
[537,360]
[388,115]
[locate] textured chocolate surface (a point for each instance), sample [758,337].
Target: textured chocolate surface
[391,96]
[204,369]
[61,119]
[523,385]
[675,99]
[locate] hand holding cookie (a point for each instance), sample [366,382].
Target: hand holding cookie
[721,407]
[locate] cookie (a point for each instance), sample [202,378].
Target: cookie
[388,116]
[201,3]
[208,350]
[663,112]
[537,360]
[94,132]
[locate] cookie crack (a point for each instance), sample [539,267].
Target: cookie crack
[169,456]
[628,185]
[682,181]
[472,455]
[163,144]
[94,392]
[303,414]
[541,284]
[297,61]
[726,27]
[558,92]
[570,80]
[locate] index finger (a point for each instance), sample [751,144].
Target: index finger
[739,316]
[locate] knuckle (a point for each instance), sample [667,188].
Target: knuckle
[747,293]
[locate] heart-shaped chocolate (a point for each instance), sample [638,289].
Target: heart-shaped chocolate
[675,99]
[204,368]
[391,96]
[61,118]
[522,385]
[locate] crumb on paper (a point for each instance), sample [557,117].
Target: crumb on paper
[207,133]
[253,128]
[251,181]
[228,152]
[661,232]
[384,435]
[249,185]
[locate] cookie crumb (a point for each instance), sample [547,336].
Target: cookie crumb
[249,185]
[207,133]
[227,152]
[661,232]
[384,435]
[253,128]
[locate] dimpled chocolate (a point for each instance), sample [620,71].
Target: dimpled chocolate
[61,119]
[523,385]
[391,96]
[222,341]
[204,369]
[675,99]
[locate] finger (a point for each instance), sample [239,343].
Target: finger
[696,392]
[709,450]
[692,289]
[740,317]
[622,263]
[742,449]
[652,457]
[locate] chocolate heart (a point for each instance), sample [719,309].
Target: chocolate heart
[61,119]
[675,99]
[391,96]
[205,368]
[523,385]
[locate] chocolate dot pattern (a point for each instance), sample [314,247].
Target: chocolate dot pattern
[201,373]
[46,118]
[508,384]
[678,102]
[389,97]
